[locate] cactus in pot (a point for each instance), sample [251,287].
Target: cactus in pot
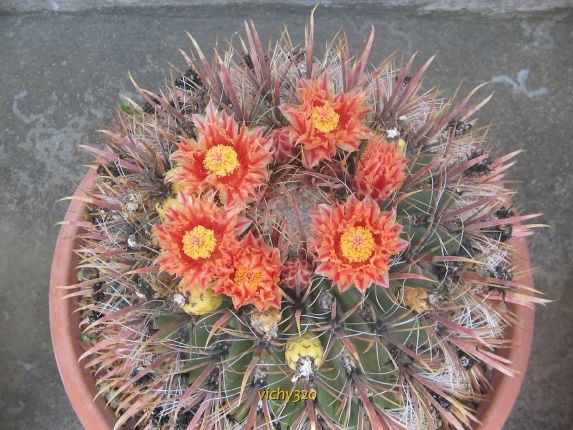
[281,241]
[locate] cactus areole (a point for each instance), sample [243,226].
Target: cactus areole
[286,241]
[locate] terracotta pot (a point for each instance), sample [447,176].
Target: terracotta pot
[80,383]
[495,410]
[64,323]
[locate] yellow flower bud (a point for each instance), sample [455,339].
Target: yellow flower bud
[168,201]
[307,345]
[201,303]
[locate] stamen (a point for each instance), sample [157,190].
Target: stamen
[221,160]
[324,118]
[199,242]
[357,244]
[243,276]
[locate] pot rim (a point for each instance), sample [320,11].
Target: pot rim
[79,383]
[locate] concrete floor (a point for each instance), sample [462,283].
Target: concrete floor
[62,75]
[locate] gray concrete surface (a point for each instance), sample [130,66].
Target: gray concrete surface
[481,6]
[62,75]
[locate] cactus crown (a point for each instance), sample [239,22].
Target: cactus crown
[284,242]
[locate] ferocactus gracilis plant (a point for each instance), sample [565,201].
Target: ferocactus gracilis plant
[279,241]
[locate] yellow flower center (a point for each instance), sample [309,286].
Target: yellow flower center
[357,244]
[245,276]
[221,160]
[324,118]
[199,242]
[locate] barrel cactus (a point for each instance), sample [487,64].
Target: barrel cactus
[281,241]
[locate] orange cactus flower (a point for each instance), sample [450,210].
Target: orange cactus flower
[355,242]
[195,239]
[227,158]
[254,276]
[380,170]
[324,122]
